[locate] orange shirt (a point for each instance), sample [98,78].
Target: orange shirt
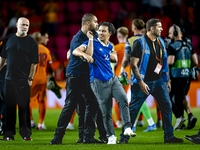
[44,58]
[120,48]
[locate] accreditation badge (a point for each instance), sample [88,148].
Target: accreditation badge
[158,68]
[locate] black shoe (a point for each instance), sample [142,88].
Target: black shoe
[79,141]
[191,122]
[55,141]
[194,138]
[92,141]
[122,141]
[174,140]
[7,139]
[104,140]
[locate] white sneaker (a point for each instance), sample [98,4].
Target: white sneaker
[129,132]
[70,126]
[112,139]
[119,124]
[43,126]
[179,122]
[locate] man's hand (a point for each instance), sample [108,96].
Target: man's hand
[144,87]
[90,34]
[169,86]
[30,82]
[87,58]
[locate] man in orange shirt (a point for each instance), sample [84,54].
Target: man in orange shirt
[38,88]
[122,34]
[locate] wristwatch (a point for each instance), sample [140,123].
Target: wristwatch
[30,79]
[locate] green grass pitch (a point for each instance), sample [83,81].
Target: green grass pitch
[150,140]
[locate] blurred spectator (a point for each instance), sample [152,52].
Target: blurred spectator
[101,11]
[35,22]
[3,19]
[50,17]
[121,16]
[166,23]
[22,7]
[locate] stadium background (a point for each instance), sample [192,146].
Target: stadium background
[120,13]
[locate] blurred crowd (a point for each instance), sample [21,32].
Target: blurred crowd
[62,19]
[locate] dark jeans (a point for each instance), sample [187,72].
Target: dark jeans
[78,86]
[179,86]
[81,115]
[159,90]
[17,93]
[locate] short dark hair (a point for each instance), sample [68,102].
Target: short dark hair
[152,23]
[87,17]
[110,26]
[139,23]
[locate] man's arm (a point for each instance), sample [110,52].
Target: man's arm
[89,49]
[32,73]
[171,59]
[143,86]
[125,61]
[194,60]
[2,62]
[113,57]
[80,52]
[68,54]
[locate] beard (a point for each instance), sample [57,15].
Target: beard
[23,32]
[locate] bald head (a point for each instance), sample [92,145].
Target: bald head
[22,26]
[37,36]
[176,29]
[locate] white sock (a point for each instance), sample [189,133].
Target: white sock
[150,121]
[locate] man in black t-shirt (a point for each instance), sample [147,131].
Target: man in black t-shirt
[150,69]
[20,52]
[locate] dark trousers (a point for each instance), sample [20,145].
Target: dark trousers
[17,93]
[2,107]
[77,87]
[177,95]
[81,115]
[159,90]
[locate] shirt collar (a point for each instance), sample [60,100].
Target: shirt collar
[103,43]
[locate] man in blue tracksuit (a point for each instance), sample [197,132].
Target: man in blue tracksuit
[150,69]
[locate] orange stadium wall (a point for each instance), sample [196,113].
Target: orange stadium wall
[53,102]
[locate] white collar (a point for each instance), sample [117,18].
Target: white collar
[103,43]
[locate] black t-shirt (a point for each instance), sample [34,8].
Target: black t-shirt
[76,65]
[137,52]
[20,53]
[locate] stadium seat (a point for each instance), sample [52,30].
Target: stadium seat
[194,40]
[50,43]
[61,42]
[130,5]
[115,6]
[62,29]
[62,53]
[61,6]
[72,6]
[73,29]
[61,18]
[87,6]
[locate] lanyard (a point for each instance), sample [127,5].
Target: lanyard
[154,48]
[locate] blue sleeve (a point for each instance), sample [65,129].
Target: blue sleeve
[127,48]
[85,43]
